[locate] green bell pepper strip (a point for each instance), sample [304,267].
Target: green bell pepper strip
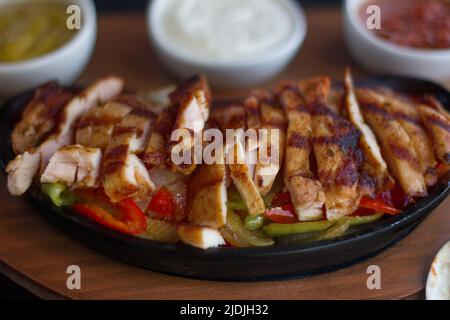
[277,230]
[58,194]
[235,233]
[335,231]
[233,206]
[359,220]
[254,222]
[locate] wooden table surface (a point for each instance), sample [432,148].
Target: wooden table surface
[35,254]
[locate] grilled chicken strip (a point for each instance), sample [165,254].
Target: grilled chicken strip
[374,166]
[156,153]
[335,142]
[192,116]
[40,116]
[231,115]
[74,166]
[200,237]
[433,102]
[306,192]
[438,125]
[228,115]
[100,92]
[253,121]
[396,146]
[188,103]
[21,171]
[196,83]
[124,174]
[95,127]
[243,181]
[23,168]
[271,140]
[240,160]
[193,100]
[207,196]
[408,116]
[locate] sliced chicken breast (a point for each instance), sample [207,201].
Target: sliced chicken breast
[438,125]
[207,196]
[40,116]
[191,119]
[198,83]
[156,153]
[272,137]
[126,177]
[139,121]
[100,92]
[95,127]
[408,116]
[253,122]
[306,192]
[396,146]
[21,171]
[243,181]
[431,101]
[335,144]
[124,174]
[74,166]
[192,100]
[200,237]
[374,166]
[228,115]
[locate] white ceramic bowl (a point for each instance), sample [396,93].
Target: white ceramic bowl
[64,64]
[242,73]
[381,56]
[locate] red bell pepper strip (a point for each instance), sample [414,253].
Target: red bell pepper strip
[129,219]
[284,214]
[162,205]
[378,206]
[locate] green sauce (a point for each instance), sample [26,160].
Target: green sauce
[31,30]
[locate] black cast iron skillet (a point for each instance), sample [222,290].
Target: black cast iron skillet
[248,264]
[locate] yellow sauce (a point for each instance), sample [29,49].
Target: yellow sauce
[31,30]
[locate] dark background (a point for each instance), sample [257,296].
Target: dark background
[8,290]
[133,5]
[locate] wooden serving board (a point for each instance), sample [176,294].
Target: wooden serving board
[36,254]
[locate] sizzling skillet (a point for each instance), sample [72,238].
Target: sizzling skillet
[280,261]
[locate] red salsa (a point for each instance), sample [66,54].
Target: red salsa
[423,24]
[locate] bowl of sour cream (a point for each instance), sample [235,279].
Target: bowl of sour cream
[233,42]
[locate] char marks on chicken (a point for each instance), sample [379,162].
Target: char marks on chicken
[306,192]
[396,145]
[335,144]
[24,167]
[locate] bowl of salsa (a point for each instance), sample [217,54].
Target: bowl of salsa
[403,37]
[43,40]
